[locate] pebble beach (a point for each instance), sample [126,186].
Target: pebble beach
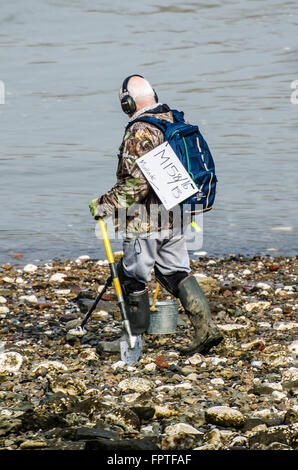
[59,391]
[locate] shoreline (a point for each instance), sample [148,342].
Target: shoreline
[60,392]
[20,259]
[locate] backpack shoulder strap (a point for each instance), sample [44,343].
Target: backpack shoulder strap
[178,115]
[162,124]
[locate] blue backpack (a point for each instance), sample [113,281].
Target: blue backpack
[193,152]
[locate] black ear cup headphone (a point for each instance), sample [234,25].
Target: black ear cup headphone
[128,104]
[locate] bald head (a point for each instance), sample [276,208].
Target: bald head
[141,91]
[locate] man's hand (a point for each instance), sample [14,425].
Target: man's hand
[93,206]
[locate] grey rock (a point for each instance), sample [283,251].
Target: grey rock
[181,428]
[282,434]
[91,406]
[290,379]
[291,415]
[262,389]
[90,338]
[84,305]
[224,416]
[10,361]
[34,444]
[239,441]
[252,423]
[278,446]
[144,413]
[122,445]
[136,384]
[66,383]
[88,433]
[181,441]
[109,346]
[57,403]
[9,425]
[32,420]
[122,417]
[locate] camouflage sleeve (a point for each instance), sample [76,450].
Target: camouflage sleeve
[131,186]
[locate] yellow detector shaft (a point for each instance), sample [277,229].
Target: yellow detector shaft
[110,257]
[116,281]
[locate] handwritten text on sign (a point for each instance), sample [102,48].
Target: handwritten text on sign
[166,175]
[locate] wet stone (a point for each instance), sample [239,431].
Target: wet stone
[281,434]
[121,445]
[63,392]
[225,416]
[34,444]
[94,432]
[135,384]
[66,384]
[10,362]
[9,425]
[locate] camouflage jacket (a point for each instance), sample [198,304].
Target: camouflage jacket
[132,202]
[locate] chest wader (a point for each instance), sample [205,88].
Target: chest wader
[186,288]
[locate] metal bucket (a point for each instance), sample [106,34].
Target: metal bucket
[163,320]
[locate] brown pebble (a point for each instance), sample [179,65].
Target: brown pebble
[274,267]
[160,361]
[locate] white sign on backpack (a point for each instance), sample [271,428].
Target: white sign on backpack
[166,175]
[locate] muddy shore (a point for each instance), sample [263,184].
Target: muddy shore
[62,392]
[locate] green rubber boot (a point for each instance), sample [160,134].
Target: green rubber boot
[197,309]
[138,313]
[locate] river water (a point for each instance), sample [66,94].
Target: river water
[228,64]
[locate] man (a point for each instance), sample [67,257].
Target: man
[151,242]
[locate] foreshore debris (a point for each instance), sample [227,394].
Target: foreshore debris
[61,391]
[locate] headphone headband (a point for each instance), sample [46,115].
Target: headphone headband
[125,83]
[127,102]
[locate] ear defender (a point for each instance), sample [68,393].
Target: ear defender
[128,104]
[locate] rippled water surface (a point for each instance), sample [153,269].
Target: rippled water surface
[228,64]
